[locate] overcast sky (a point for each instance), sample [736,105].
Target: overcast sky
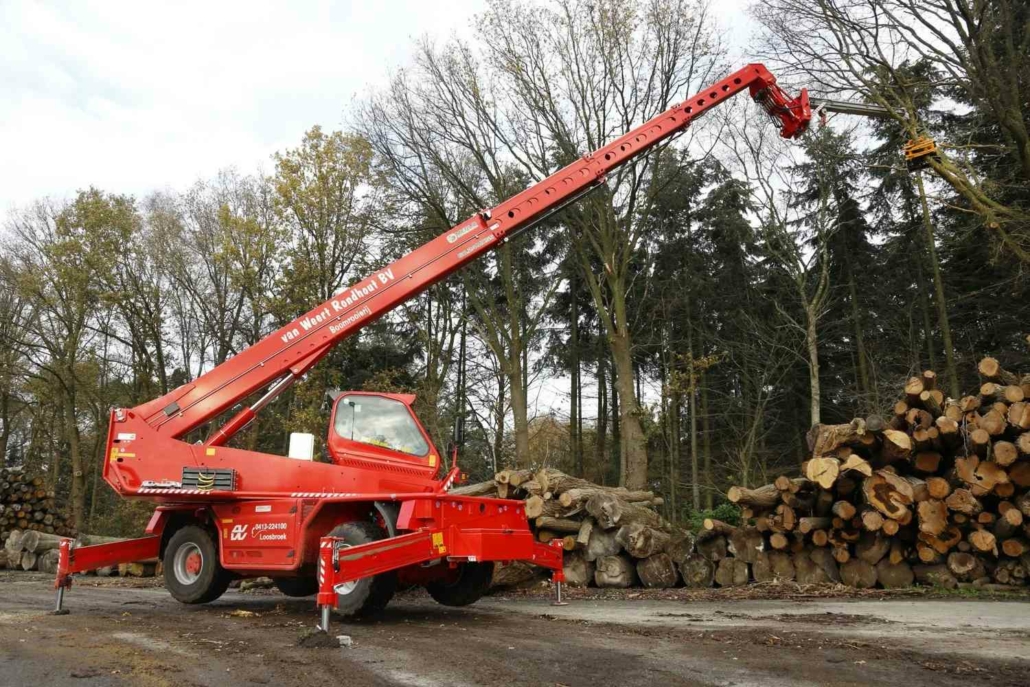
[135,96]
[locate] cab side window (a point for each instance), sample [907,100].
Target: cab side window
[381,422]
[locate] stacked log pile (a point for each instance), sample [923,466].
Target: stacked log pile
[26,504]
[939,494]
[612,537]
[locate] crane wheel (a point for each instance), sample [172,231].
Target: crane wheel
[296,586]
[193,573]
[472,582]
[368,595]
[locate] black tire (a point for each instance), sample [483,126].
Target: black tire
[191,581]
[369,595]
[296,586]
[472,583]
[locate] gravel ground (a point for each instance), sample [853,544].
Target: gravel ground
[130,632]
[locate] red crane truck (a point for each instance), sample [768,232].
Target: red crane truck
[380,513]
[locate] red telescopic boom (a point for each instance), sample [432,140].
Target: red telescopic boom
[280,358]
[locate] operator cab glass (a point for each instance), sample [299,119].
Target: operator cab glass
[381,422]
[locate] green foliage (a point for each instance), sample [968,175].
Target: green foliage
[726,512]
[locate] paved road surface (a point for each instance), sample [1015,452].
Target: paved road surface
[130,636]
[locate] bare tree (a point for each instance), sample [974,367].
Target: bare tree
[861,49]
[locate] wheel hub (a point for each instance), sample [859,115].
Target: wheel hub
[188,563]
[193,563]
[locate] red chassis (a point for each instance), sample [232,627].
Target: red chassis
[378,507]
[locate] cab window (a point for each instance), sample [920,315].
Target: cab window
[381,422]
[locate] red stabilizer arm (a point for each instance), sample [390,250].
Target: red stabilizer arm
[82,558]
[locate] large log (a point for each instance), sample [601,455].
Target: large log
[580,495]
[514,574]
[782,565]
[823,557]
[807,571]
[38,542]
[586,528]
[602,543]
[897,446]
[965,566]
[697,571]
[13,543]
[641,541]
[566,525]
[872,547]
[761,498]
[657,572]
[934,575]
[680,546]
[746,543]
[992,369]
[488,488]
[894,575]
[712,548]
[858,573]
[731,572]
[28,560]
[579,572]
[609,511]
[615,571]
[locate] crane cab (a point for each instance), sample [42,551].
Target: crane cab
[379,430]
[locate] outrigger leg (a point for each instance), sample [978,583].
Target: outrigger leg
[64,579]
[557,577]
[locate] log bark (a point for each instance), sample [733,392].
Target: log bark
[746,543]
[858,573]
[566,525]
[872,547]
[965,566]
[488,488]
[712,548]
[581,495]
[782,565]
[609,511]
[641,541]
[579,572]
[935,576]
[992,369]
[601,544]
[807,571]
[28,560]
[514,574]
[894,575]
[731,572]
[681,546]
[897,446]
[823,557]
[761,498]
